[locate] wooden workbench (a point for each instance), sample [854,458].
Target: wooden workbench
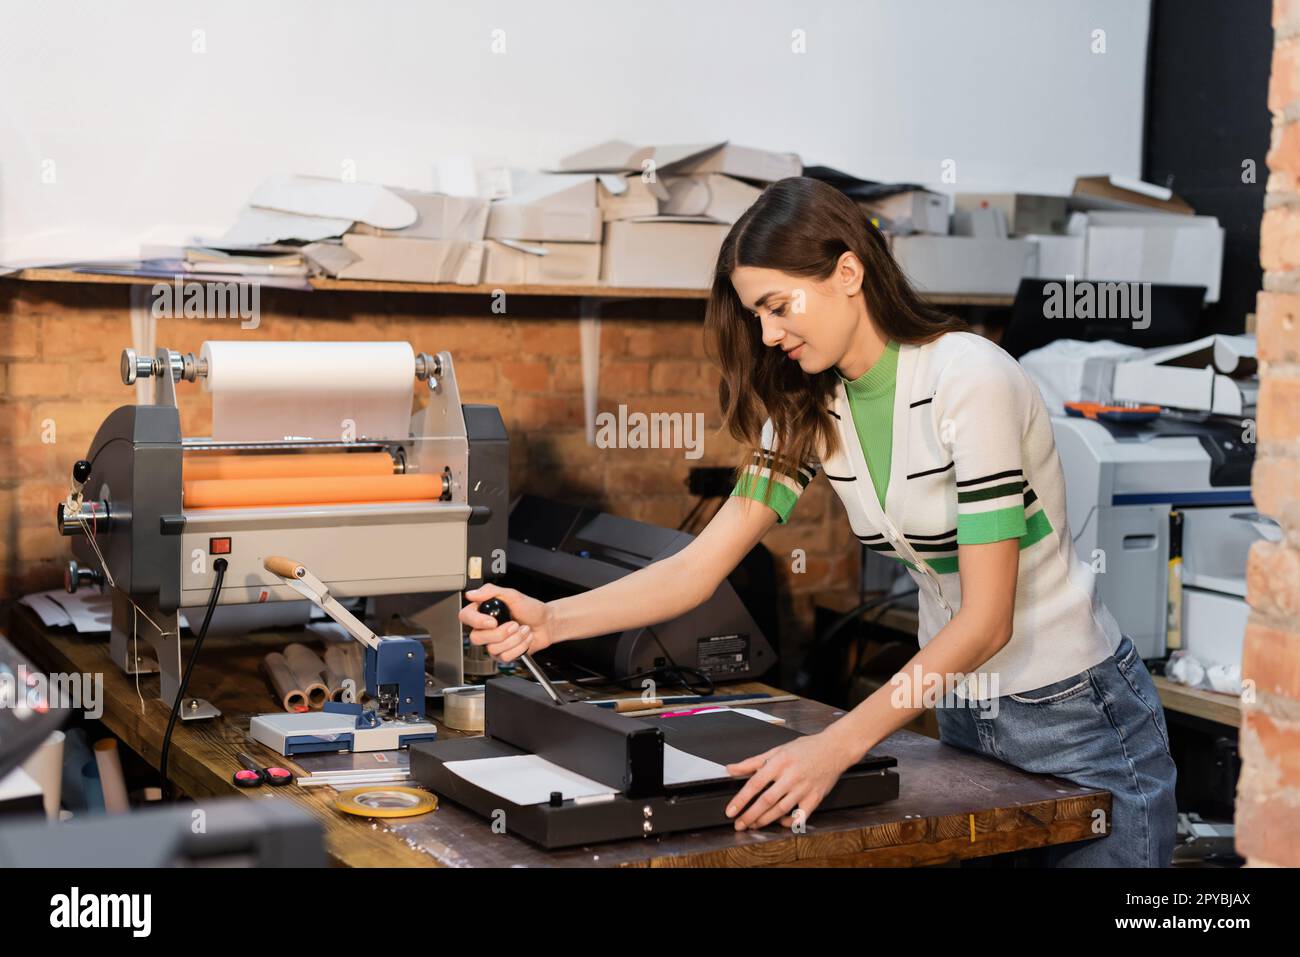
[952,804]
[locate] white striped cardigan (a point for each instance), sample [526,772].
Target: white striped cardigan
[973,460]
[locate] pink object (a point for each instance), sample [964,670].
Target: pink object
[682,714]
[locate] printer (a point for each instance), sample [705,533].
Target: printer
[1158,492]
[317,450]
[558,549]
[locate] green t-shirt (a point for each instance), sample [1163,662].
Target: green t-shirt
[871,402]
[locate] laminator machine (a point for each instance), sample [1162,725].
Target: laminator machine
[315,451]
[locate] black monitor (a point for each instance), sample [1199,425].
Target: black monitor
[1049,309]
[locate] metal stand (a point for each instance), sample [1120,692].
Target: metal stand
[127,631]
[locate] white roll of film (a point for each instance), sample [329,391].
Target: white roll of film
[326,391]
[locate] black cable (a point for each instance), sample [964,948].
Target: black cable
[219,566]
[668,675]
[663,675]
[803,677]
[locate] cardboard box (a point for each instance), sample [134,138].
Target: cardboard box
[980,223]
[661,252]
[561,190]
[547,207]
[617,156]
[542,263]
[1025,212]
[628,196]
[912,211]
[1168,249]
[712,195]
[744,162]
[1059,256]
[1122,193]
[960,264]
[412,260]
[539,223]
[438,216]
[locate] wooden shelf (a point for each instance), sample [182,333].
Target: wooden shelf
[1210,705]
[482,289]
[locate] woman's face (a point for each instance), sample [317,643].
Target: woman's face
[811,320]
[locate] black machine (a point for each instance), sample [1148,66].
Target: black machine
[27,716]
[1174,317]
[556,550]
[624,753]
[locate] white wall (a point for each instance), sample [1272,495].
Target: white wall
[147,140]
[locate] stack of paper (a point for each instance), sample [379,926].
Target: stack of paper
[87,611]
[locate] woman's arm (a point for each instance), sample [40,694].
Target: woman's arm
[803,772]
[659,592]
[975,634]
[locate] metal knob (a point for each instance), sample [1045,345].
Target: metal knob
[135,367]
[427,366]
[74,575]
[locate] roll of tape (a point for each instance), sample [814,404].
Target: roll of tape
[386,800]
[462,710]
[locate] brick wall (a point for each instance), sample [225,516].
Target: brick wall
[59,349]
[1268,793]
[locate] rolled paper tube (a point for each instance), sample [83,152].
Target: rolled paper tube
[76,754]
[338,687]
[110,776]
[45,765]
[285,683]
[201,467]
[356,656]
[310,672]
[341,662]
[328,490]
[91,787]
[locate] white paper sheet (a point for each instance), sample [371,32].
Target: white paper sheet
[88,611]
[747,712]
[683,768]
[526,779]
[50,612]
[260,227]
[335,199]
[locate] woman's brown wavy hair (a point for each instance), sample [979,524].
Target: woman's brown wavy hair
[801,227]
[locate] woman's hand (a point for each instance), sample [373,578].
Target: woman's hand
[529,632]
[801,773]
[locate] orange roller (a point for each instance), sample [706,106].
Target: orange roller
[209,467]
[328,490]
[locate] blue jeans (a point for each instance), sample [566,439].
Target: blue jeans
[1102,728]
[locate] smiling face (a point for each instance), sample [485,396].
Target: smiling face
[815,322]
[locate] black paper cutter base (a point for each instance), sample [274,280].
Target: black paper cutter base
[684,808]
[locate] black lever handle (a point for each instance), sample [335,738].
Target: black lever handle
[497,609]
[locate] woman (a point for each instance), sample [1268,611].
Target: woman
[940,448]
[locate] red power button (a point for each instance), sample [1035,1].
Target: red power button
[218,546]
